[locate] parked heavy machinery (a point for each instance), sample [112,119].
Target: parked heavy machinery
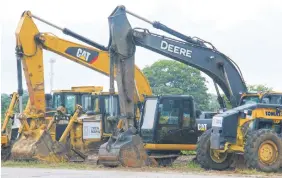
[88,127]
[74,52]
[253,130]
[66,98]
[218,66]
[126,148]
[193,52]
[9,136]
[29,50]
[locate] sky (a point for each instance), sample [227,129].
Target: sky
[249,32]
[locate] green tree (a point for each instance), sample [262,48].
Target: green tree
[172,77]
[5,102]
[213,103]
[259,87]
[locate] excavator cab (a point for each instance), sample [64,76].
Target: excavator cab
[168,125]
[166,119]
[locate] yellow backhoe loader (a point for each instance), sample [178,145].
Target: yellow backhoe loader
[5,136]
[8,137]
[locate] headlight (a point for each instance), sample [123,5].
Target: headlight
[217,121]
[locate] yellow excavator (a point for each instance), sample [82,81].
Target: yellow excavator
[30,45]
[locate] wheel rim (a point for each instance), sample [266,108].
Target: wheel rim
[268,152]
[218,157]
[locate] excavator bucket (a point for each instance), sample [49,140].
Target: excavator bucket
[38,145]
[125,150]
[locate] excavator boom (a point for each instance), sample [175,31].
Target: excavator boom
[195,53]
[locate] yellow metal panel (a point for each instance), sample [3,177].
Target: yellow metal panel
[32,62]
[4,139]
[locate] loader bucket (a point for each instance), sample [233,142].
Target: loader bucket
[125,150]
[38,145]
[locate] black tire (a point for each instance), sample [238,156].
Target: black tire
[203,154]
[251,149]
[5,153]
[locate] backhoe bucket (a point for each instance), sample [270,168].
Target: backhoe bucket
[126,150]
[38,145]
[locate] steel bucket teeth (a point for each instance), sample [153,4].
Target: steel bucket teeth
[127,151]
[38,145]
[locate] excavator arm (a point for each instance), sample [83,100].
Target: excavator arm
[195,53]
[30,47]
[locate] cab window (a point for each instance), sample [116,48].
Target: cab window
[272,99]
[86,102]
[187,107]
[57,101]
[170,113]
[108,108]
[70,101]
[250,99]
[96,107]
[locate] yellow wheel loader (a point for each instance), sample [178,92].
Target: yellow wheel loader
[252,130]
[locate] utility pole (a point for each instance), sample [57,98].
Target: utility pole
[52,61]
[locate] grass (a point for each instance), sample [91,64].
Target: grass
[188,152]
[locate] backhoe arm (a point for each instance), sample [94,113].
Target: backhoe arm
[10,111]
[193,53]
